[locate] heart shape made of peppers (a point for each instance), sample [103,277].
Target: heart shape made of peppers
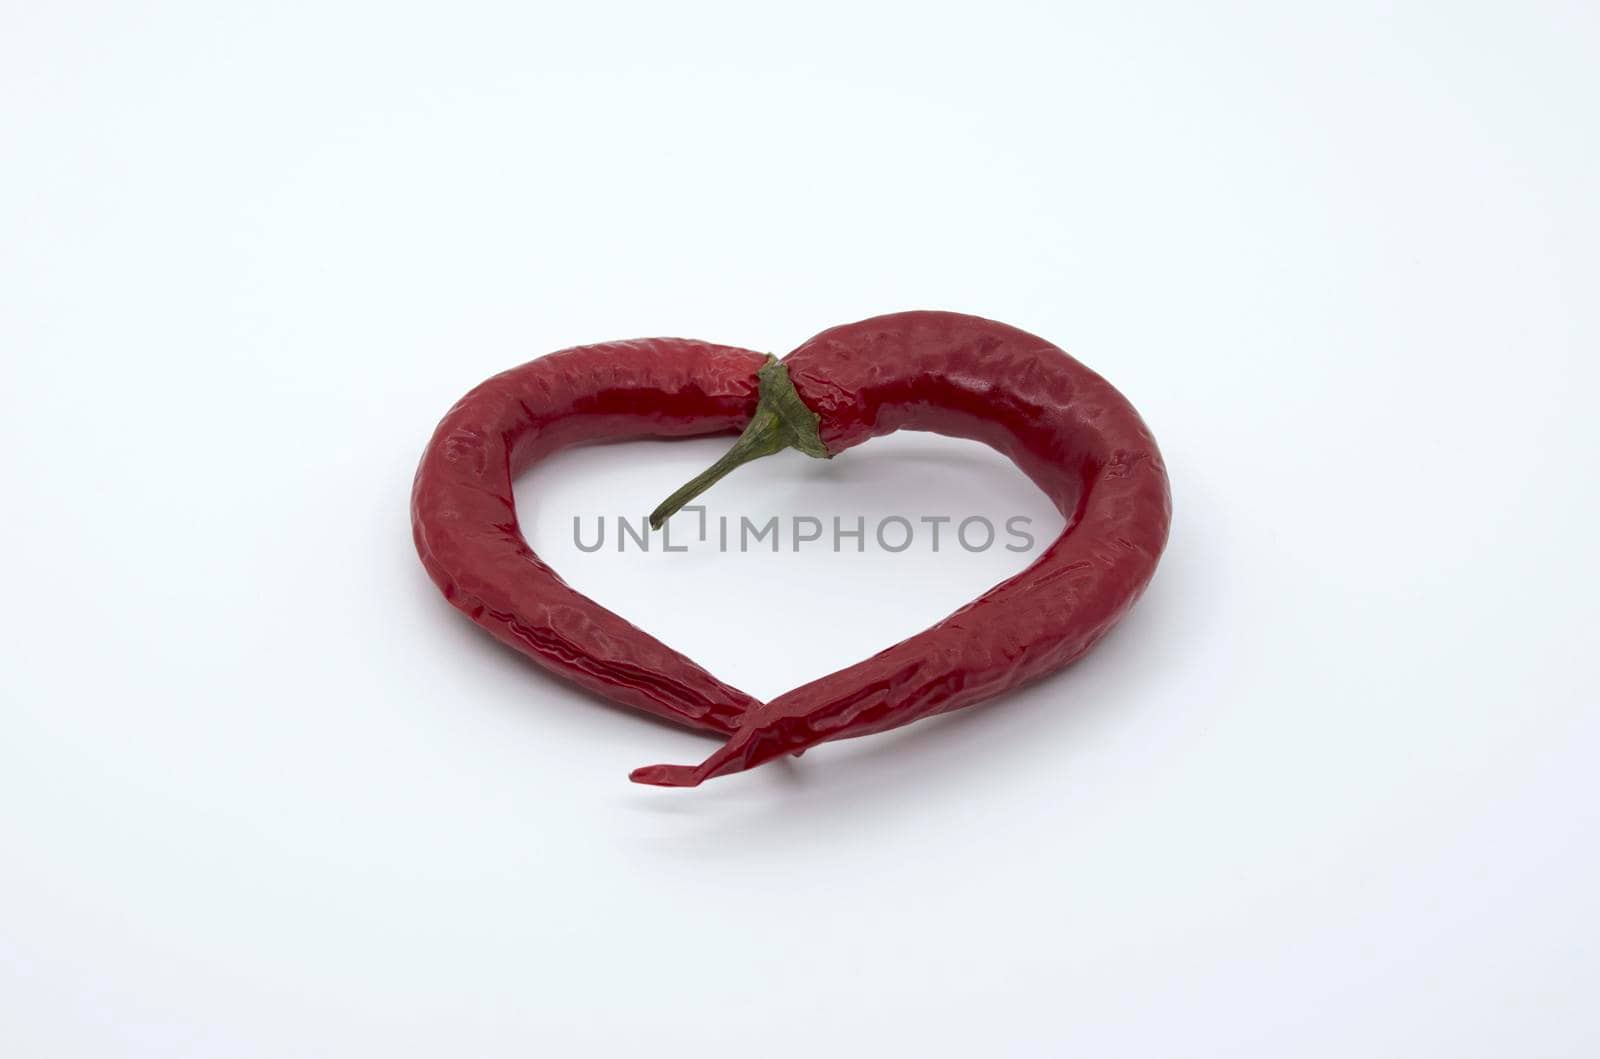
[1067,428]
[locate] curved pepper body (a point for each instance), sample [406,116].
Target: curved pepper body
[1066,427]
[1063,425]
[464,517]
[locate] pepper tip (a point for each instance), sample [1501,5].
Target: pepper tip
[667,775]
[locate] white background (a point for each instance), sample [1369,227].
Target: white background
[1330,790]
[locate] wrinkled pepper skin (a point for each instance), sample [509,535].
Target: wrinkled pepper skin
[464,518]
[1066,428]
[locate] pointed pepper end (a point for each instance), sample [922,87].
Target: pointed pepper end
[667,775]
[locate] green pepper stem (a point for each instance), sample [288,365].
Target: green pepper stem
[782,421]
[759,439]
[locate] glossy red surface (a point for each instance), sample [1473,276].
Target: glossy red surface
[1066,427]
[963,376]
[464,518]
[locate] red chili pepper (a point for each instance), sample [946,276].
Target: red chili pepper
[1066,427]
[1068,430]
[465,521]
